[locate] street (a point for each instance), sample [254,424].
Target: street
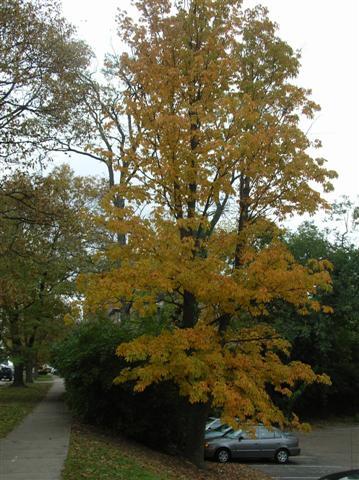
[324,450]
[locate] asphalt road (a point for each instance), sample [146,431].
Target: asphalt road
[324,450]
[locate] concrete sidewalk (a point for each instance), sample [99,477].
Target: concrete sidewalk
[37,448]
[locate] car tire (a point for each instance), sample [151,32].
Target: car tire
[281,456]
[223,455]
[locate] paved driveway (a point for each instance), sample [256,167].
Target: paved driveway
[324,450]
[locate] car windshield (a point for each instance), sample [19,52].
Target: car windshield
[213,423]
[222,428]
[211,420]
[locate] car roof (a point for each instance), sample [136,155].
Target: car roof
[346,474]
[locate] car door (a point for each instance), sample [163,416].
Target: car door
[243,444]
[268,441]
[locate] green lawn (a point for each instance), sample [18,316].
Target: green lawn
[96,457]
[45,378]
[16,403]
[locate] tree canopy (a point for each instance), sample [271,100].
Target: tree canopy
[219,159]
[47,233]
[40,60]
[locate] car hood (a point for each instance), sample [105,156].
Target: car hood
[212,435]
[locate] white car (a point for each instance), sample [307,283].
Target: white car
[213,423]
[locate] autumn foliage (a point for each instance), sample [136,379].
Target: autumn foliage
[217,161]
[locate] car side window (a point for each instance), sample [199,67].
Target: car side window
[238,434]
[264,433]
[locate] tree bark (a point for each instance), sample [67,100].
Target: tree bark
[28,372]
[190,310]
[194,421]
[17,352]
[18,375]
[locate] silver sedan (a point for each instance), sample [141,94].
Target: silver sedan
[258,443]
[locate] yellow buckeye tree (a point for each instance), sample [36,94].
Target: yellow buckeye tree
[220,160]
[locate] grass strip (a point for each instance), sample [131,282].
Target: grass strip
[17,402]
[45,378]
[94,456]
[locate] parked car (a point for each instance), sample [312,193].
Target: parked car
[213,423]
[346,475]
[6,373]
[259,443]
[221,430]
[45,370]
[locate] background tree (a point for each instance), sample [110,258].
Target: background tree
[100,130]
[47,234]
[343,221]
[218,139]
[328,342]
[40,60]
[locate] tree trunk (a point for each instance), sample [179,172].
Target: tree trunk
[18,375]
[28,372]
[190,310]
[17,353]
[194,421]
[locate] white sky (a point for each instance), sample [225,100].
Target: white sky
[327,33]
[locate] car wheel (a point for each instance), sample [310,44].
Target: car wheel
[223,455]
[281,456]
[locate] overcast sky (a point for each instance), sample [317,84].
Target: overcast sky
[326,32]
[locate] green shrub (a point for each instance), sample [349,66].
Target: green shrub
[86,359]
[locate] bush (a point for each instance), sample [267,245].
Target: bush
[86,359]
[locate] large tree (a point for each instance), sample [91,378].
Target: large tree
[40,60]
[47,234]
[220,159]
